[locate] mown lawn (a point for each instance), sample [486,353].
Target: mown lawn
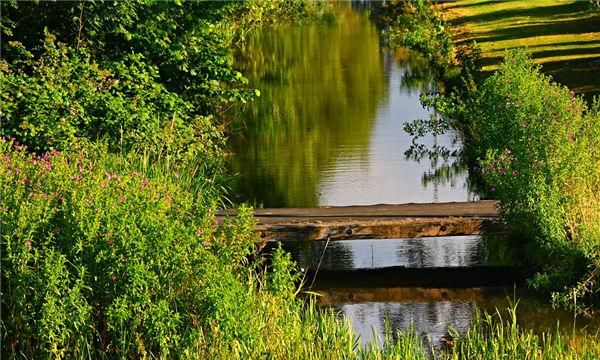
[563,35]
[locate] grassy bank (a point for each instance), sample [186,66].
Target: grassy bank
[531,141]
[562,35]
[110,176]
[108,256]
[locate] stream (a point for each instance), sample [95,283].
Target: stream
[327,130]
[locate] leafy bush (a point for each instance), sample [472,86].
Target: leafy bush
[102,256]
[98,257]
[537,143]
[62,97]
[420,26]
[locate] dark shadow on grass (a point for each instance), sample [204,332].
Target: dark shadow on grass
[580,75]
[540,55]
[566,43]
[452,5]
[579,26]
[542,12]
[565,52]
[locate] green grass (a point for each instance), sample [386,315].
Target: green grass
[562,35]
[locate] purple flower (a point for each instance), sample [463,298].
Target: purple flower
[144,181]
[122,199]
[28,243]
[81,170]
[501,170]
[48,166]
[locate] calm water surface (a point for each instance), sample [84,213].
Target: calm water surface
[328,126]
[328,130]
[431,310]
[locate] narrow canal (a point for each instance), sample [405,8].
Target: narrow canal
[327,129]
[328,126]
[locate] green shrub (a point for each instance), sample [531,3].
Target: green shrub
[109,256]
[419,25]
[99,258]
[537,143]
[62,98]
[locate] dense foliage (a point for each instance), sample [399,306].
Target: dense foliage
[534,147]
[105,256]
[156,75]
[421,27]
[98,257]
[538,146]
[110,247]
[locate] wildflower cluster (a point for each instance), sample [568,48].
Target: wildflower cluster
[538,154]
[94,255]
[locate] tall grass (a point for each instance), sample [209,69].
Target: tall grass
[106,256]
[495,336]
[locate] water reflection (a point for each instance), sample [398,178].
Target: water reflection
[328,127]
[320,85]
[436,252]
[432,311]
[431,320]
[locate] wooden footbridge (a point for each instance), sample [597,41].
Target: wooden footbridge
[377,221]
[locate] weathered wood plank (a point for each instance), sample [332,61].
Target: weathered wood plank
[380,229]
[377,221]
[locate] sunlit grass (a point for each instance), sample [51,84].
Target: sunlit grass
[563,35]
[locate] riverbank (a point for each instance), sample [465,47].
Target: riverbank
[530,141]
[563,36]
[111,175]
